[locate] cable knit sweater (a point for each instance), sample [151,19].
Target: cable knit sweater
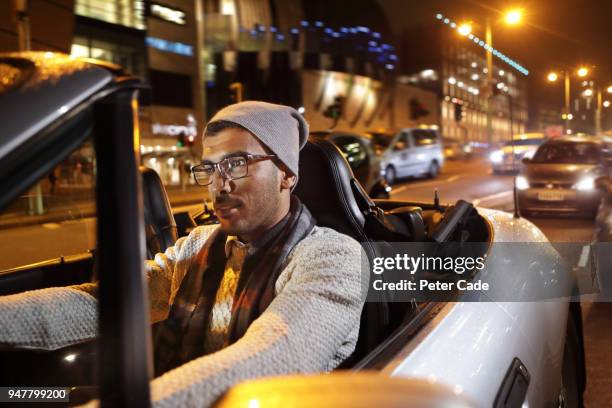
[312,324]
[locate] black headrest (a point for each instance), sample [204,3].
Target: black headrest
[160,224]
[328,188]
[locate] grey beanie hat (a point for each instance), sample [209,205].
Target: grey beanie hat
[280,128]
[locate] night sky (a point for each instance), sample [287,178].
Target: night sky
[555,33]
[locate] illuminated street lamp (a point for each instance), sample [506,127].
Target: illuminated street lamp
[552,77]
[582,72]
[465,29]
[514,17]
[606,104]
[588,93]
[609,89]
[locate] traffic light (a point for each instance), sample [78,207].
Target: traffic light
[180,140]
[417,110]
[458,112]
[334,111]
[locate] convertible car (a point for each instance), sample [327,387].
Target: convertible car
[75,207]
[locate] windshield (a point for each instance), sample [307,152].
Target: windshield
[525,142]
[381,140]
[576,153]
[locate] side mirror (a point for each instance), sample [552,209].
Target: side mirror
[526,160]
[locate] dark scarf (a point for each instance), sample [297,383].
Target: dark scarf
[180,338]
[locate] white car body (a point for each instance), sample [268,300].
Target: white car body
[469,346]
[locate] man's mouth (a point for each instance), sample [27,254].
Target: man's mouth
[226,210]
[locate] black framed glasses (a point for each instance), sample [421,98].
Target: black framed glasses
[230,168]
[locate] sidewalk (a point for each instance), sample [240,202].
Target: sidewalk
[78,209]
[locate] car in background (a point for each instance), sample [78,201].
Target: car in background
[508,157]
[567,175]
[367,166]
[455,149]
[409,152]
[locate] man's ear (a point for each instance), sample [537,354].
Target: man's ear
[288,180]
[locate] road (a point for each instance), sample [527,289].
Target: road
[471,180]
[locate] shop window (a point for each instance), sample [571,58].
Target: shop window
[129,13]
[129,58]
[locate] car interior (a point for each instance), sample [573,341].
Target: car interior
[336,200]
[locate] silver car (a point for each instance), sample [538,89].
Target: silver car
[568,175]
[410,152]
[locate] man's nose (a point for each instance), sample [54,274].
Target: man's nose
[220,183]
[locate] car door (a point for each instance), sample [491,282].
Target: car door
[82,162]
[403,155]
[424,151]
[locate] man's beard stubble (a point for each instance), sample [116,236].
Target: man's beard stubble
[259,211]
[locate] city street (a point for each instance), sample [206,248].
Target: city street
[469,179]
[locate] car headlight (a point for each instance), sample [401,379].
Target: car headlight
[521,183]
[586,184]
[497,156]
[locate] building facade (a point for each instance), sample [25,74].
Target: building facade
[159,43]
[436,57]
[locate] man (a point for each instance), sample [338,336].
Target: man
[265,292]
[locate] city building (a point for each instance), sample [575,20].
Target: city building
[435,56]
[284,52]
[159,43]
[201,55]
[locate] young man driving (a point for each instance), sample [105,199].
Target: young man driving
[264,292]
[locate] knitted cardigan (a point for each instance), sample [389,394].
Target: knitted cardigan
[311,326]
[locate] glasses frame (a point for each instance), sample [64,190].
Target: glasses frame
[250,158]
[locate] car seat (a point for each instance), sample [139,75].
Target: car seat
[336,200]
[161,231]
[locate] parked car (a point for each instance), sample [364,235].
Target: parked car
[367,166]
[455,149]
[526,352]
[567,175]
[409,152]
[508,157]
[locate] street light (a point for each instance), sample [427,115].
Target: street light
[465,29]
[552,77]
[514,17]
[606,104]
[609,89]
[582,72]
